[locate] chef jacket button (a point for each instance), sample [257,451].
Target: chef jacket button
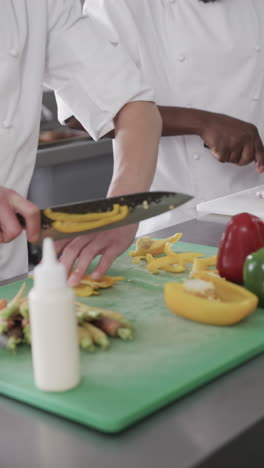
[255,98]
[258,48]
[196,156]
[6,124]
[13,52]
[182,58]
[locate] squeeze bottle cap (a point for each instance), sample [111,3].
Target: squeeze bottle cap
[50,274]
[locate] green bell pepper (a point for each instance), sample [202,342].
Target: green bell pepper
[253,274]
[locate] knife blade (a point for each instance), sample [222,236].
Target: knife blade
[141,206]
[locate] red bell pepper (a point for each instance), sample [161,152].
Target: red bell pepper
[243,235]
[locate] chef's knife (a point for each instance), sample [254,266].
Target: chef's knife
[140,206]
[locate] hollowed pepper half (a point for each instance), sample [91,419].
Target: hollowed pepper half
[232,303]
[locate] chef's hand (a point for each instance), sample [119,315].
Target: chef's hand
[78,253]
[10,228]
[232,140]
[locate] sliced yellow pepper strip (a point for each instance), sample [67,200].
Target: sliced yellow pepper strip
[233,303]
[181,257]
[166,263]
[82,290]
[104,282]
[138,258]
[203,264]
[79,227]
[80,218]
[87,286]
[145,245]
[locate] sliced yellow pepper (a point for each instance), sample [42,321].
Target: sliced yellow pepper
[138,258]
[203,264]
[146,245]
[82,290]
[166,263]
[78,217]
[87,287]
[104,282]
[233,303]
[62,226]
[182,257]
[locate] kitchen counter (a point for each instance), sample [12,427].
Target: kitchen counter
[218,425]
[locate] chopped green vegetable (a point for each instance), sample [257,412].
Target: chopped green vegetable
[85,339]
[125,333]
[98,336]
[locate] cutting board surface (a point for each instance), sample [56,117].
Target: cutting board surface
[230,205]
[169,357]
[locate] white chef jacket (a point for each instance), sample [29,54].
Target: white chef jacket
[50,42]
[205,56]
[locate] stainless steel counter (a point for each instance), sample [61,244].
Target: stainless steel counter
[216,426]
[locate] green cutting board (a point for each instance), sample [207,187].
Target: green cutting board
[169,357]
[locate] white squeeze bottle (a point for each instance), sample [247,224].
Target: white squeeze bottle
[55,349]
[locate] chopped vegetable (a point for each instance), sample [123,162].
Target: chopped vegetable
[104,282]
[231,303]
[147,245]
[15,324]
[87,286]
[203,264]
[78,217]
[84,311]
[67,223]
[108,325]
[253,274]
[125,334]
[85,339]
[9,311]
[182,258]
[3,304]
[23,309]
[98,336]
[82,290]
[114,328]
[244,234]
[167,263]
[16,300]
[173,262]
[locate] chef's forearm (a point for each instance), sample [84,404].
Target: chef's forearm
[175,121]
[181,120]
[137,135]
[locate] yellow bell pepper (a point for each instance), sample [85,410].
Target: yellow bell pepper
[82,290]
[104,282]
[138,258]
[146,245]
[232,304]
[74,226]
[183,257]
[166,263]
[87,287]
[203,264]
[80,217]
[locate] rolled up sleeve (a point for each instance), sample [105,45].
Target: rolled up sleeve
[93,78]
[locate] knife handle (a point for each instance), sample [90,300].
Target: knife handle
[21,220]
